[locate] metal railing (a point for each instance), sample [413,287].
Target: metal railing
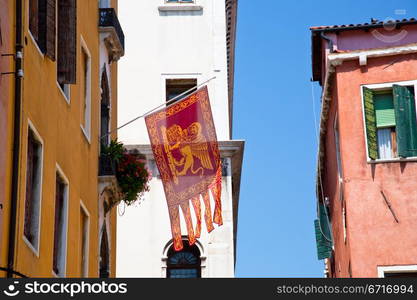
[108,18]
[107,166]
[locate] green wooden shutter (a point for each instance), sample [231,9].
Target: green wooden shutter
[323,234]
[405,114]
[384,109]
[370,122]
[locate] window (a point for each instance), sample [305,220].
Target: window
[105,110]
[390,122]
[104,3]
[344,224]
[185,263]
[42,19]
[60,225]
[180,1]
[85,90]
[402,271]
[65,90]
[67,32]
[175,87]
[338,157]
[323,232]
[84,237]
[33,190]
[104,253]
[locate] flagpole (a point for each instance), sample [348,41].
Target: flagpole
[167,103]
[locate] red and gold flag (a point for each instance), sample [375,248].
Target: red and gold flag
[184,144]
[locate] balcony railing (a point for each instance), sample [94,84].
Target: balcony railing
[107,166]
[108,18]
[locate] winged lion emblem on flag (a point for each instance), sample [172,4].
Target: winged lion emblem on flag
[191,144]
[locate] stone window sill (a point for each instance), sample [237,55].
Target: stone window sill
[180,7]
[392,160]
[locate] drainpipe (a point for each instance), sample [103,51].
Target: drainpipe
[16,139]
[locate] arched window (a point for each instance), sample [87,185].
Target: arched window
[185,263]
[104,254]
[105,109]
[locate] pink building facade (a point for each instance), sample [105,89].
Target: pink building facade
[367,163]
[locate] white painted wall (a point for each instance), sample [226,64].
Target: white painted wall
[160,45]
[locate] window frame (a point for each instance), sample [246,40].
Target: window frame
[87,113]
[58,171]
[169,245]
[32,247]
[105,74]
[84,209]
[65,91]
[336,134]
[177,76]
[104,3]
[344,223]
[180,5]
[382,270]
[180,1]
[194,250]
[36,44]
[382,87]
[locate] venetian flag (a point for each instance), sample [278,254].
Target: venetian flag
[184,144]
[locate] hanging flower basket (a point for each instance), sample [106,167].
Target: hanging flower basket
[131,172]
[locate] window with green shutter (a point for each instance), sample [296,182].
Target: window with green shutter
[323,230]
[405,114]
[384,109]
[391,125]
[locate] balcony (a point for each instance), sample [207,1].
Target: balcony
[109,191]
[107,166]
[114,37]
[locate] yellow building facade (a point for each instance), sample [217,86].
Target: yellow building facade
[68,101]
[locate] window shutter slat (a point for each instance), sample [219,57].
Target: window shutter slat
[50,28]
[42,25]
[67,42]
[405,114]
[384,108]
[370,122]
[33,18]
[323,234]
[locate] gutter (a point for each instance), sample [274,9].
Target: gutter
[365,26]
[336,59]
[16,140]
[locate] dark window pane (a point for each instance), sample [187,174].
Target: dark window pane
[183,273]
[185,263]
[175,87]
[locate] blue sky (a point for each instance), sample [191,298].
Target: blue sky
[273,112]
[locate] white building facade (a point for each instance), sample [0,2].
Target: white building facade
[172,46]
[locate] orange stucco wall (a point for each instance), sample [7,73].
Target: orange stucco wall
[6,122]
[374,238]
[64,144]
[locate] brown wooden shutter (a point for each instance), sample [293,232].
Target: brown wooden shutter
[42,25]
[67,41]
[33,18]
[50,28]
